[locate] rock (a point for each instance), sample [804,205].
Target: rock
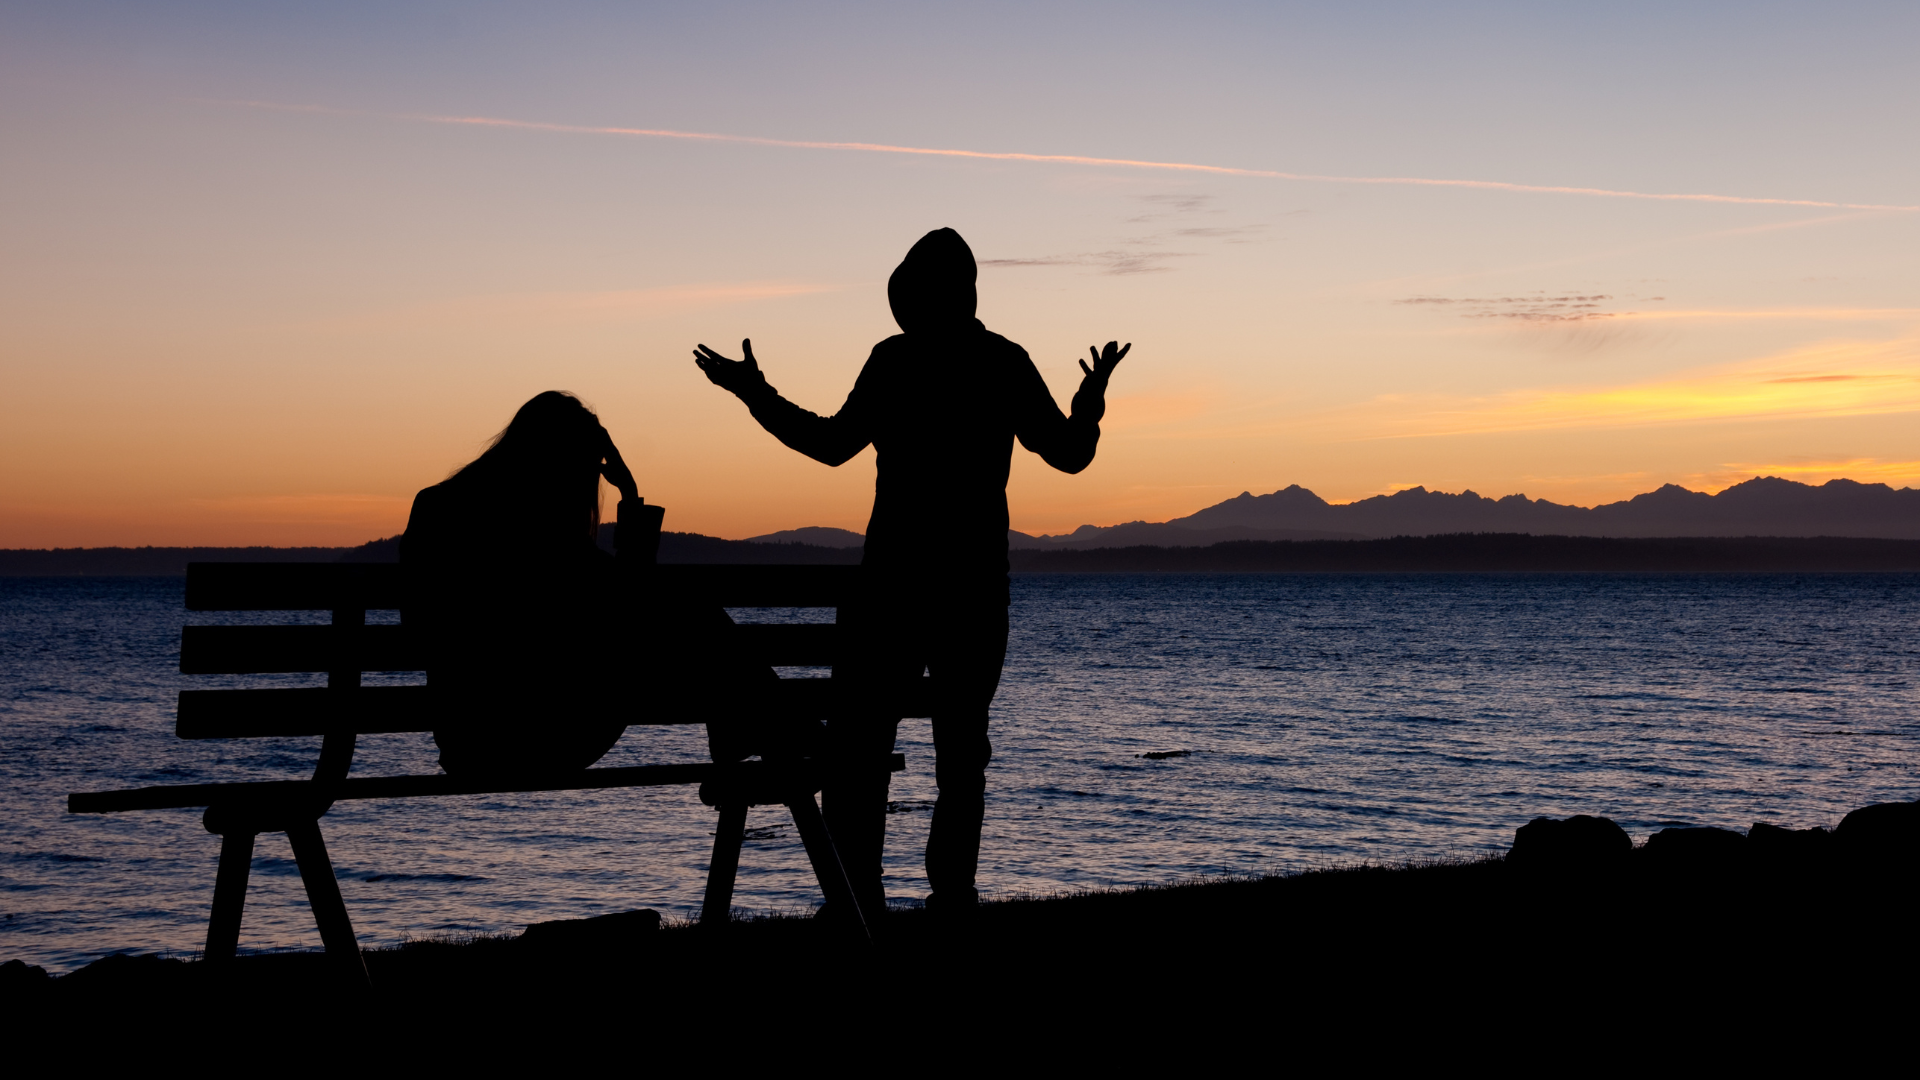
[20,977]
[1771,843]
[624,930]
[1578,842]
[1887,833]
[123,971]
[1697,848]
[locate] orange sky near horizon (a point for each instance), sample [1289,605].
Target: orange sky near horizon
[1358,270]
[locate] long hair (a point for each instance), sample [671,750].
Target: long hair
[549,453]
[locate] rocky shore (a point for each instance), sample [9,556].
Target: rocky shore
[1693,919]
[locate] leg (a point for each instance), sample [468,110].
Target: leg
[229,896]
[728,835]
[883,649]
[855,803]
[827,866]
[966,672]
[323,893]
[953,843]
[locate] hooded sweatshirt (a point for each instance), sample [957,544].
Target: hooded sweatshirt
[942,403]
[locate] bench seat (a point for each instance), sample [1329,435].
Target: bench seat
[771,778]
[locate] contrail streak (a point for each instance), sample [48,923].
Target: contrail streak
[1073,159]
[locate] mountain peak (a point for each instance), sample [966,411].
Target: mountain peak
[1761,506]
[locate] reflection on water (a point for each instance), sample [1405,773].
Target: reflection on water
[1325,718]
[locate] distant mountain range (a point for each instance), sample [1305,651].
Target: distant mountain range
[812,535]
[675,547]
[1491,552]
[1764,506]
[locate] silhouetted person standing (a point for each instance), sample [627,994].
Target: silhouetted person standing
[942,404]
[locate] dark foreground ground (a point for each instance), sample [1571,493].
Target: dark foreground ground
[1722,948]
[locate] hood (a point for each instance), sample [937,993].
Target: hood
[933,288]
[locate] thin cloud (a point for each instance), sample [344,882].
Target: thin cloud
[1225,232]
[1784,314]
[1859,379]
[1866,470]
[1108,262]
[1577,307]
[1071,159]
[1572,307]
[1183,203]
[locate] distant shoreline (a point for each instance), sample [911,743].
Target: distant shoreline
[1494,553]
[1450,553]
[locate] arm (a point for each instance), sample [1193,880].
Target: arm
[636,534]
[1067,442]
[830,440]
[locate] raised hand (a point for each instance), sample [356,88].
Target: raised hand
[614,468]
[740,377]
[1105,362]
[1090,402]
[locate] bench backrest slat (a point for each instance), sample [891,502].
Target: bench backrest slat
[379,710]
[259,650]
[292,586]
[378,586]
[763,586]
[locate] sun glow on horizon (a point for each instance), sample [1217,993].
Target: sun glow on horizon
[230,320]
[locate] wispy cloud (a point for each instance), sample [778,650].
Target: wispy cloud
[1544,307]
[1866,470]
[1836,379]
[1107,262]
[1781,314]
[1072,159]
[1538,308]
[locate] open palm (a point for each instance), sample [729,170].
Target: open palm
[737,376]
[1104,361]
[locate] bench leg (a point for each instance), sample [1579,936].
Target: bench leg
[725,866]
[323,893]
[229,896]
[826,865]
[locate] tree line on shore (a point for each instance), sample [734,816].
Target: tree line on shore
[1457,552]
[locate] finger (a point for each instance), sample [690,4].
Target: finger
[1085,368]
[746,346]
[1123,352]
[1094,351]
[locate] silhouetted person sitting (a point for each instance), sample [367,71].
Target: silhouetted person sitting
[942,404]
[522,615]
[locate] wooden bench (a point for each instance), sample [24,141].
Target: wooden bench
[343,710]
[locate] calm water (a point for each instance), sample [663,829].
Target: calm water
[1329,718]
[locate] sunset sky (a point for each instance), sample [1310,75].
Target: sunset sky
[271,268]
